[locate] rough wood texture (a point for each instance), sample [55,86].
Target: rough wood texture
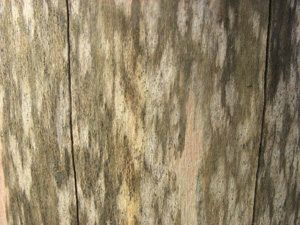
[174,114]
[278,192]
[2,192]
[167,109]
[34,116]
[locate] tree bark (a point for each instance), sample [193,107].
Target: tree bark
[150,112]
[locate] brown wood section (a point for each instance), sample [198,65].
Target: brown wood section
[34,113]
[278,191]
[174,111]
[167,102]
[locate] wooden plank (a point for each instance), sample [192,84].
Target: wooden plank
[167,102]
[34,115]
[278,193]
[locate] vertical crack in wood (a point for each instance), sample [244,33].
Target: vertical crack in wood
[70,102]
[264,108]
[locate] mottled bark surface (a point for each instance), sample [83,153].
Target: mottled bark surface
[35,120]
[167,109]
[278,192]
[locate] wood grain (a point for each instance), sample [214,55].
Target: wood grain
[278,193]
[2,192]
[174,112]
[34,102]
[167,109]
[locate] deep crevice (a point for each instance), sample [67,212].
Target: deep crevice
[70,102]
[264,108]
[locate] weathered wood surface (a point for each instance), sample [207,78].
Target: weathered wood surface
[167,102]
[2,192]
[167,109]
[278,192]
[35,120]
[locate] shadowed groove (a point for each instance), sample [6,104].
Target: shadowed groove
[264,110]
[70,103]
